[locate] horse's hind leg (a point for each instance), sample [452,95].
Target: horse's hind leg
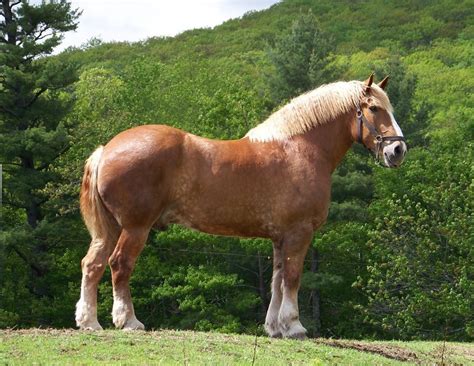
[295,246]
[271,321]
[122,261]
[93,267]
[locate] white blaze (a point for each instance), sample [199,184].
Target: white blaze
[395,125]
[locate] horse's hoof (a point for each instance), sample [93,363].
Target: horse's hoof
[276,335]
[90,327]
[299,336]
[134,324]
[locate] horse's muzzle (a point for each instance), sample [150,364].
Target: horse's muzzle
[394,154]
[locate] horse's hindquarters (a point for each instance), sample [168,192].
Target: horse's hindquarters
[137,173]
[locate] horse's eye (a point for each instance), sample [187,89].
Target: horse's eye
[373,108]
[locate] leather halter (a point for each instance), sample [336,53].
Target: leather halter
[379,139]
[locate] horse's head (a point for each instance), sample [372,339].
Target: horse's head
[377,129]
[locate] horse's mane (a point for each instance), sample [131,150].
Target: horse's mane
[314,108]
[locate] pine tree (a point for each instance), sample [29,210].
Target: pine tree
[299,57]
[33,103]
[31,107]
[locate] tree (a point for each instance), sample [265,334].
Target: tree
[420,270]
[32,108]
[299,58]
[31,103]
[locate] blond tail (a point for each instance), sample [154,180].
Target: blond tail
[99,221]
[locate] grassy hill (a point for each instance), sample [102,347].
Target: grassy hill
[167,347]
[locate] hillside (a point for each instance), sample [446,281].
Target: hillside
[353,26]
[394,260]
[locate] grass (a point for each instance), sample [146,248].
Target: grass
[167,347]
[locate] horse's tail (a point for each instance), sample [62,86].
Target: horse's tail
[99,221]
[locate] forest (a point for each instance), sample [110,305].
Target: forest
[395,259]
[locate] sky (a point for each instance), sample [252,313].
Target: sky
[128,20]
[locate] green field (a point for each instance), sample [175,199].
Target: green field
[167,347]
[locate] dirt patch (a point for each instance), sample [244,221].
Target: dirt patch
[389,351]
[37,331]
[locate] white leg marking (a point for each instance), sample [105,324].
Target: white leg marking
[86,308]
[288,318]
[123,315]
[272,327]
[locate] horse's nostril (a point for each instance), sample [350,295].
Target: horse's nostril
[397,150]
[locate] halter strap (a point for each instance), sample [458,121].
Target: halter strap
[378,138]
[362,120]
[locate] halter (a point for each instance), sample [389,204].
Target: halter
[378,138]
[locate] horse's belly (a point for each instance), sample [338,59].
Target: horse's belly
[218,223]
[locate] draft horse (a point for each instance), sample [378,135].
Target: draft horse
[273,183]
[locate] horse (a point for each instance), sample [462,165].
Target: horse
[273,183]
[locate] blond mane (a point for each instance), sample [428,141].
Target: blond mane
[314,108]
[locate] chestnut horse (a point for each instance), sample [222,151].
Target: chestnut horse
[273,183]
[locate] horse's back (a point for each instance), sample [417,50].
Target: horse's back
[145,138]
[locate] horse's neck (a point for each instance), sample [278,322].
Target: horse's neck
[330,141]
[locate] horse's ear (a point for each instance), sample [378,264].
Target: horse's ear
[383,83]
[369,82]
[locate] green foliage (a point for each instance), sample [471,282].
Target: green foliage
[195,298]
[33,104]
[299,58]
[32,101]
[395,258]
[419,282]
[195,282]
[421,268]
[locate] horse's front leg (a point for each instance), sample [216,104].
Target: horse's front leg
[122,261]
[271,321]
[295,246]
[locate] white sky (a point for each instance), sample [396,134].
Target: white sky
[128,20]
